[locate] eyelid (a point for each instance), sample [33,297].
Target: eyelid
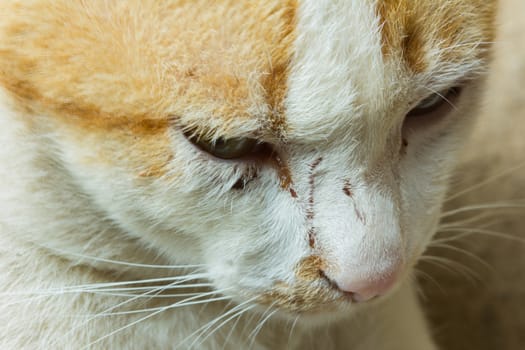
[444,98]
[227,149]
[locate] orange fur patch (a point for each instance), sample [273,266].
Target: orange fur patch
[409,29]
[309,293]
[149,58]
[309,269]
[130,68]
[300,298]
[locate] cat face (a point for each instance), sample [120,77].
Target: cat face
[299,149]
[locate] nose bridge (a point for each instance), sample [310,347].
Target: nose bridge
[344,204]
[358,219]
[357,216]
[360,237]
[352,220]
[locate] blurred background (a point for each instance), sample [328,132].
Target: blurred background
[473,287]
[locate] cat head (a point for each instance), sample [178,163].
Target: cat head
[300,150]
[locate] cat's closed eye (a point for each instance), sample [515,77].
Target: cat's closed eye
[438,102]
[432,109]
[226,148]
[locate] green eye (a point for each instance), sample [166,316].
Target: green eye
[233,148]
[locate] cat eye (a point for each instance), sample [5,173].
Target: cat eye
[438,102]
[233,148]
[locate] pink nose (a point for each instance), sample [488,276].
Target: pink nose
[368,288]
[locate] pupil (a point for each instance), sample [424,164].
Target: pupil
[220,142]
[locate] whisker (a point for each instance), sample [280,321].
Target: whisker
[168,287]
[257,329]
[502,205]
[471,220]
[25,300]
[118,262]
[181,279]
[291,330]
[230,333]
[431,279]
[159,296]
[204,328]
[447,264]
[413,278]
[465,232]
[262,317]
[485,182]
[444,98]
[171,306]
[106,311]
[465,252]
[237,314]
[160,310]
[53,292]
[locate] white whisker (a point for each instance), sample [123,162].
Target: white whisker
[237,314]
[118,262]
[257,329]
[212,322]
[181,279]
[160,310]
[444,98]
[465,232]
[485,182]
[251,335]
[158,296]
[292,329]
[431,279]
[171,306]
[462,251]
[447,264]
[53,292]
[475,219]
[232,328]
[502,205]
[108,310]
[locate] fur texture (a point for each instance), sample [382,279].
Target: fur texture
[101,185]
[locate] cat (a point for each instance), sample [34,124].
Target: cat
[228,174]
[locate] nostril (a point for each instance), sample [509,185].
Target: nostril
[371,288]
[351,295]
[327,279]
[364,289]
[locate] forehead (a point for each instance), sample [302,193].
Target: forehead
[411,29]
[360,57]
[231,66]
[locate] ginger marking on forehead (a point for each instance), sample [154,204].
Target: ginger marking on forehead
[182,57]
[402,34]
[275,83]
[86,116]
[409,29]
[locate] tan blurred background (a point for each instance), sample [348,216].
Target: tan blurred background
[489,313]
